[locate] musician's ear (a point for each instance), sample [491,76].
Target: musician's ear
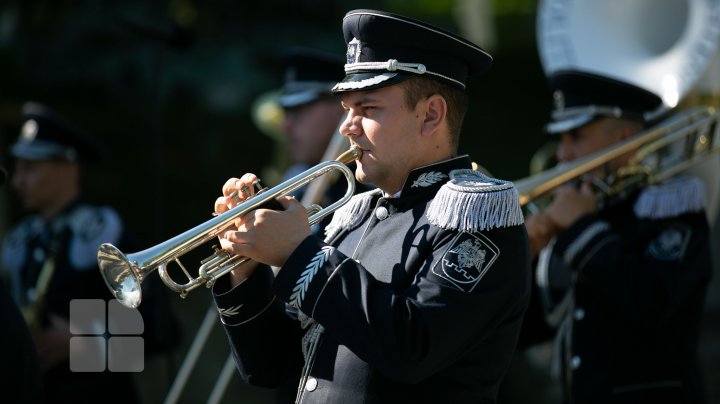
[433,110]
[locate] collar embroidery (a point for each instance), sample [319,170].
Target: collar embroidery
[428,178]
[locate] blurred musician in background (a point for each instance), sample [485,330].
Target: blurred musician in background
[311,114]
[21,375]
[50,258]
[622,281]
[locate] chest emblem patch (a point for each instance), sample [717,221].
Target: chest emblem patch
[466,260]
[670,245]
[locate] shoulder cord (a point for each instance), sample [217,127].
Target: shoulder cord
[310,342]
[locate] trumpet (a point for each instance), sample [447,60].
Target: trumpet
[659,153]
[124,274]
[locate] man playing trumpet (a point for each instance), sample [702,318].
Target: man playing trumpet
[419,288]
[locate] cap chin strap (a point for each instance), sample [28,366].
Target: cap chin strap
[393,65]
[587,110]
[609,111]
[575,117]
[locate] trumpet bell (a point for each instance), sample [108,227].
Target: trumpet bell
[120,276]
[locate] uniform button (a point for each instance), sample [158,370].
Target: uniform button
[575,362]
[381,213]
[579,313]
[311,384]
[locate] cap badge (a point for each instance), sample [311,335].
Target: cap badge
[559,100]
[353,51]
[29,131]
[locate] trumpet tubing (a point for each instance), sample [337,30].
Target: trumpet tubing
[124,274]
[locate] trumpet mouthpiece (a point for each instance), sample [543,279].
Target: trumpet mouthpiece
[352,154]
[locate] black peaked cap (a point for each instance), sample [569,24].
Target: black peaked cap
[581,97]
[386,48]
[47,135]
[309,75]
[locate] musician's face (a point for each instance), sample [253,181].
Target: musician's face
[309,129]
[387,130]
[43,185]
[587,139]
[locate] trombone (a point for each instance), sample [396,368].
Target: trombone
[659,153]
[123,274]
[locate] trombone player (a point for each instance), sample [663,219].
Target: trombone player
[623,280]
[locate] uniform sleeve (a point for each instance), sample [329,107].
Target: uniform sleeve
[644,276]
[471,289]
[264,340]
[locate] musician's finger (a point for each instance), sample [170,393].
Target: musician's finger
[221,205]
[241,186]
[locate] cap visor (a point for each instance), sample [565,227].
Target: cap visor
[368,81]
[297,99]
[568,124]
[42,152]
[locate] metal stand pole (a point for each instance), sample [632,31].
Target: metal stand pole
[223,380]
[192,356]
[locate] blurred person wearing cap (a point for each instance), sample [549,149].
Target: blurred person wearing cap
[311,112]
[417,292]
[50,256]
[311,115]
[19,366]
[310,119]
[621,281]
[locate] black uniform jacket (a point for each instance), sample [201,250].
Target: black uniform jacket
[639,274]
[411,311]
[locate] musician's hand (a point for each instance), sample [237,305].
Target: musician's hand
[235,191]
[269,236]
[570,204]
[540,231]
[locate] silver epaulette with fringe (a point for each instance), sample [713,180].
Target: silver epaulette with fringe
[350,214]
[671,198]
[471,201]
